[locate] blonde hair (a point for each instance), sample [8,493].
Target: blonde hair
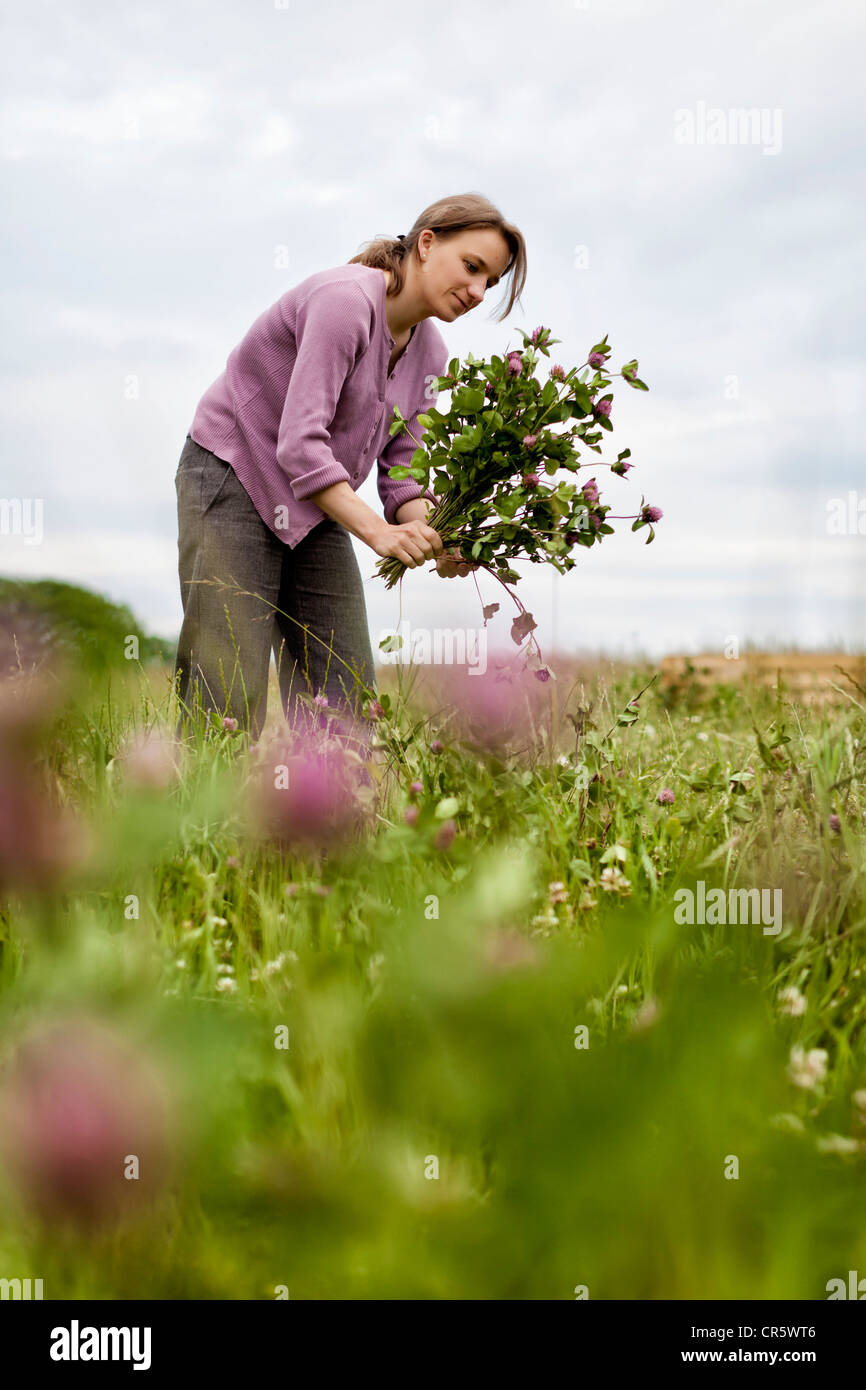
[447,217]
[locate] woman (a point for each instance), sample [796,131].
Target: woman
[281,442]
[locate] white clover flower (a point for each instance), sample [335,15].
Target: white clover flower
[792,1002]
[613,880]
[859,1101]
[226,984]
[621,989]
[225,969]
[219,921]
[704,736]
[807,1069]
[836,1144]
[789,1124]
[274,966]
[180,963]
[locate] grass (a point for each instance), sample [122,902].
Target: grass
[496,1068]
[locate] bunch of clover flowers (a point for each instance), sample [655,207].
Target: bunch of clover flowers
[491,454]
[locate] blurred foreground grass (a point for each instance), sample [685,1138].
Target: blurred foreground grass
[465,1053]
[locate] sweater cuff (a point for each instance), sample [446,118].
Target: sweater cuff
[320,478]
[404,492]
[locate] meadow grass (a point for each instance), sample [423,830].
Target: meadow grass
[498,1067]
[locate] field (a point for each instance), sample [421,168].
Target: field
[511,1044]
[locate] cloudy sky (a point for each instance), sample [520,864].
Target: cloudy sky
[155,156]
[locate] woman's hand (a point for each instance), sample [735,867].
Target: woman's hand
[451,565]
[412,543]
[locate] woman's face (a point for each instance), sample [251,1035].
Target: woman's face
[456,272]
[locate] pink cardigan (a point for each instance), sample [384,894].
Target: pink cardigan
[306,398]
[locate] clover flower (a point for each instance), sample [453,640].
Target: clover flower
[590,490]
[598,359]
[445,835]
[529,440]
[557,372]
[835,823]
[666,796]
[792,1002]
[76,1097]
[807,1069]
[603,407]
[651,513]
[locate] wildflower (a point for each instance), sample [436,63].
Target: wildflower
[321,701]
[489,388]
[410,815]
[788,1124]
[437,746]
[445,835]
[835,823]
[572,537]
[837,1144]
[543,673]
[807,1069]
[666,797]
[308,797]
[273,967]
[515,363]
[557,372]
[530,480]
[621,467]
[149,761]
[529,440]
[322,890]
[230,724]
[539,336]
[604,407]
[506,949]
[613,880]
[219,921]
[76,1097]
[557,892]
[651,513]
[646,1015]
[598,359]
[416,787]
[586,902]
[792,1002]
[595,520]
[225,968]
[375,710]
[590,490]
[226,985]
[232,862]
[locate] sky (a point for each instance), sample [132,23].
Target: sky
[170,170]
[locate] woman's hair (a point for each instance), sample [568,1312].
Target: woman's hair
[447,217]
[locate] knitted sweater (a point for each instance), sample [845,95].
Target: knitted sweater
[306,398]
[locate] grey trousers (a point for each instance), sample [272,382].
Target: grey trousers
[245,593]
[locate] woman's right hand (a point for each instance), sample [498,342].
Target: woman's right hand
[413,543]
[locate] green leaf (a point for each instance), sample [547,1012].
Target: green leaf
[447,808]
[398,471]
